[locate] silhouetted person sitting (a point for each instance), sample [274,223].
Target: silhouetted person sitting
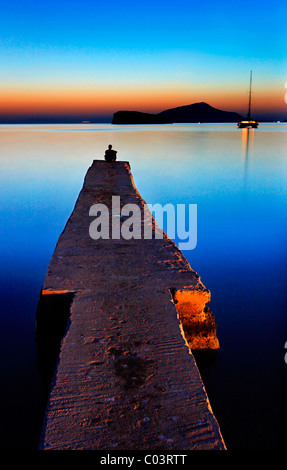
[110,155]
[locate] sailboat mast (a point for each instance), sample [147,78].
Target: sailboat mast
[249,107]
[249,123]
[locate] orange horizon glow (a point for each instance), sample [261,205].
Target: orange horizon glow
[105,101]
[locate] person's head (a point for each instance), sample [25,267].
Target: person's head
[110,146]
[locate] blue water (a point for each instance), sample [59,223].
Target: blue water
[236,177]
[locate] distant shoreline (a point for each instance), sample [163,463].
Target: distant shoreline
[109,122]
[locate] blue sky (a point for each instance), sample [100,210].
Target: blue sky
[189,49]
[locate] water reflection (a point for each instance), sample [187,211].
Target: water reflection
[247,139]
[42,170]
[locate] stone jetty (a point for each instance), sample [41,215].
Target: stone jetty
[131,311]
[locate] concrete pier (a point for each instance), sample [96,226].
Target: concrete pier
[125,378]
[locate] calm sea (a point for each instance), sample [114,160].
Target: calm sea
[236,177]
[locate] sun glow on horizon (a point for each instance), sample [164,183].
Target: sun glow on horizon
[106,100]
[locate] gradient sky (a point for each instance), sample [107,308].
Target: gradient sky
[91,58]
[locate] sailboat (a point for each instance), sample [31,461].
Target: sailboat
[249,123]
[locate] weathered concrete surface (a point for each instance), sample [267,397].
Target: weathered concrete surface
[126,378]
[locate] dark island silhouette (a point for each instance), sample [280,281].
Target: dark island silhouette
[197,112]
[136,117]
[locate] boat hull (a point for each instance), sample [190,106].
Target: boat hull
[247,124]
